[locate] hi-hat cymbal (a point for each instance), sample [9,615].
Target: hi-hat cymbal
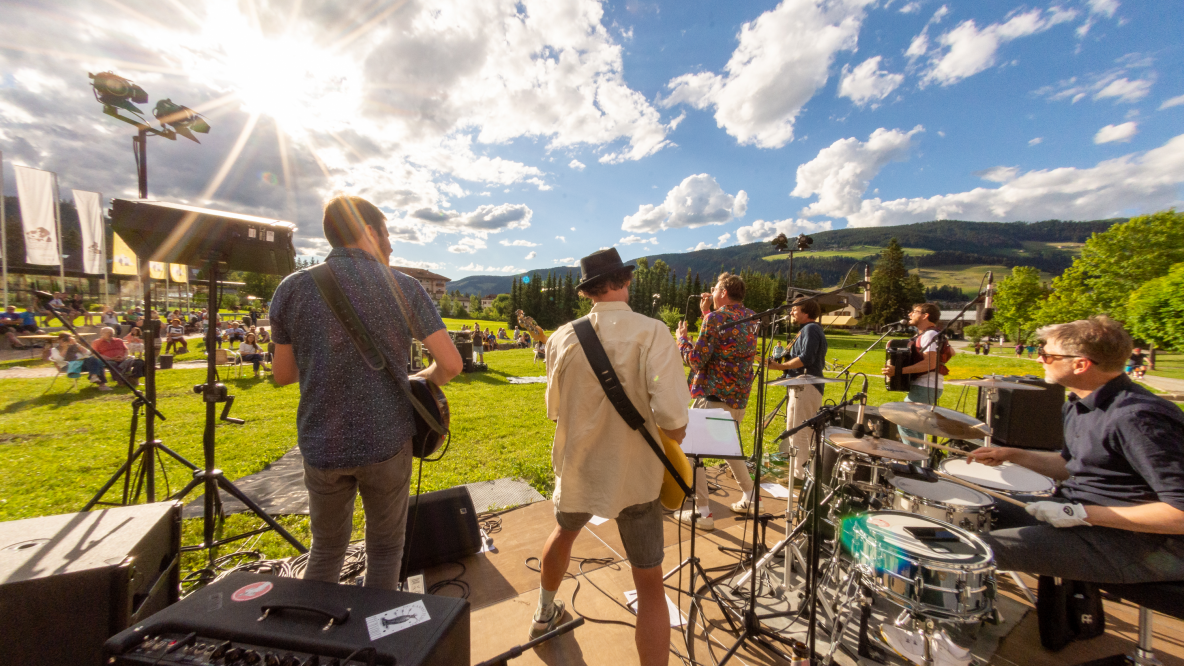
[874,446]
[803,380]
[931,420]
[995,383]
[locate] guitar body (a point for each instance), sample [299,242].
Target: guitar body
[426,441]
[672,496]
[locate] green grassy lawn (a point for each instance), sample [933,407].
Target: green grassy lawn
[855,252]
[967,278]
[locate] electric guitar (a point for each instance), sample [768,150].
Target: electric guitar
[533,328]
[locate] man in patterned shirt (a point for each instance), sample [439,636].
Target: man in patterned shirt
[354,424]
[721,376]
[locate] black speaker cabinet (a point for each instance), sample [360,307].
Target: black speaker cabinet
[1027,419]
[69,582]
[443,529]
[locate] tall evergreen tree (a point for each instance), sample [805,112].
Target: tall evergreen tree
[894,289]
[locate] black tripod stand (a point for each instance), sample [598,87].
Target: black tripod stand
[149,451]
[209,477]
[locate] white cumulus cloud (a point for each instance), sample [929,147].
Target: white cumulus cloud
[763,230]
[1132,183]
[841,172]
[1112,133]
[467,246]
[1175,101]
[967,50]
[1130,82]
[867,82]
[576,164]
[783,58]
[412,263]
[423,224]
[532,255]
[478,268]
[632,240]
[695,202]
[999,174]
[518,243]
[1036,141]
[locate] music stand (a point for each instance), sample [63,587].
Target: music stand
[176,233]
[711,433]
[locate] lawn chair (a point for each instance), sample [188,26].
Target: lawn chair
[72,370]
[228,358]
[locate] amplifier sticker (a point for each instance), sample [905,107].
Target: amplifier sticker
[252,591]
[396,619]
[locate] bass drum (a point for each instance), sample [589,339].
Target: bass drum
[947,576]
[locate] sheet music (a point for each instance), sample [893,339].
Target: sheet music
[712,433]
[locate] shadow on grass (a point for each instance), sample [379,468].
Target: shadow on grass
[61,397]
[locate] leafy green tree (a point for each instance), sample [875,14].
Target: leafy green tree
[1018,299]
[671,316]
[501,306]
[475,304]
[261,285]
[1113,264]
[1155,312]
[584,307]
[894,289]
[976,332]
[445,306]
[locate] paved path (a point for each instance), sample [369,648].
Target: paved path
[1173,387]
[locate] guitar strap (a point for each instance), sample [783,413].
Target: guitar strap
[339,304]
[603,368]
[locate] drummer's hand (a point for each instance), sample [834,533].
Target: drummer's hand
[682,329]
[888,371]
[1059,514]
[992,456]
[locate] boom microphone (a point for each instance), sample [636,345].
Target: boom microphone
[989,306]
[860,428]
[902,322]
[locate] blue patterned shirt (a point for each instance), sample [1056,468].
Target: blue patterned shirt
[350,415]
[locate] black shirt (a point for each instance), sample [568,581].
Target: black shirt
[1123,446]
[810,346]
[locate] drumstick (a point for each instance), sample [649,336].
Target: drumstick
[936,446]
[979,488]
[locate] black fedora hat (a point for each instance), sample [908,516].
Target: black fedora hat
[599,264]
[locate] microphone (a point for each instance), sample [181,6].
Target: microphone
[989,305]
[860,428]
[866,308]
[42,295]
[867,293]
[902,322]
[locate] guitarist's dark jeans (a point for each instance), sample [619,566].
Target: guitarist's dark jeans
[1092,554]
[331,492]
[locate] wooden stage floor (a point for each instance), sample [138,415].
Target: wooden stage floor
[503,591]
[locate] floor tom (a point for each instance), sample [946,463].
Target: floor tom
[1006,478]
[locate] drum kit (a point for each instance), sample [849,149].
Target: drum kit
[901,531]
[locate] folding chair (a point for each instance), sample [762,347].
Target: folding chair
[228,358]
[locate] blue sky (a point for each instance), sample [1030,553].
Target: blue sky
[501,136]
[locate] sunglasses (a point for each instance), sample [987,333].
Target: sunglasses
[1051,358]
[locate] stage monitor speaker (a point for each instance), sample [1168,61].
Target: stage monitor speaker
[1027,419]
[69,582]
[251,619]
[445,529]
[180,234]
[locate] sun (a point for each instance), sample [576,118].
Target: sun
[289,77]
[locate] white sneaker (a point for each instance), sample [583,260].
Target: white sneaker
[908,644]
[948,653]
[540,626]
[743,506]
[687,515]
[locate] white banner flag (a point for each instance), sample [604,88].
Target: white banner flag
[90,217]
[36,188]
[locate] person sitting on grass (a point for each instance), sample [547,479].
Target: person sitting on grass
[116,352]
[175,337]
[135,341]
[72,358]
[249,351]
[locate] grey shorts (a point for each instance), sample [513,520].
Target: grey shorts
[640,526]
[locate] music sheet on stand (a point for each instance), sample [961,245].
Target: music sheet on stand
[712,433]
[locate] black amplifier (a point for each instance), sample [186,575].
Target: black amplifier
[1026,419]
[252,619]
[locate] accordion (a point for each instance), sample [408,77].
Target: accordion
[899,356]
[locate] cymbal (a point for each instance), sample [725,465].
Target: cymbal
[994,383]
[874,446]
[931,420]
[803,380]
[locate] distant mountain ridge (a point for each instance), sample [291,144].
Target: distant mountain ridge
[948,242]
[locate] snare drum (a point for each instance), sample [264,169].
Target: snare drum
[944,500]
[1007,478]
[944,580]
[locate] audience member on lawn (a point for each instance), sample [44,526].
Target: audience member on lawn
[116,352]
[602,467]
[71,358]
[354,424]
[721,377]
[249,350]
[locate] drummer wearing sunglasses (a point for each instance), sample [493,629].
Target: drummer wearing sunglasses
[1121,471]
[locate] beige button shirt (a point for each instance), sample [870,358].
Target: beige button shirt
[601,465]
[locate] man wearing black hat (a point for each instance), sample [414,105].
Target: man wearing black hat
[602,467]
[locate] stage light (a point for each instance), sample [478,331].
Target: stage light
[781,243]
[183,119]
[113,90]
[804,242]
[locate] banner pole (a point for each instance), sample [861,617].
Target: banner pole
[103,256]
[57,220]
[3,232]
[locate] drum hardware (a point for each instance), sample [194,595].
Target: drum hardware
[939,447]
[933,420]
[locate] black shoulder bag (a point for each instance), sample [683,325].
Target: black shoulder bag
[603,368]
[431,407]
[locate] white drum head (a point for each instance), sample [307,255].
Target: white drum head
[946,492]
[888,528]
[1008,477]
